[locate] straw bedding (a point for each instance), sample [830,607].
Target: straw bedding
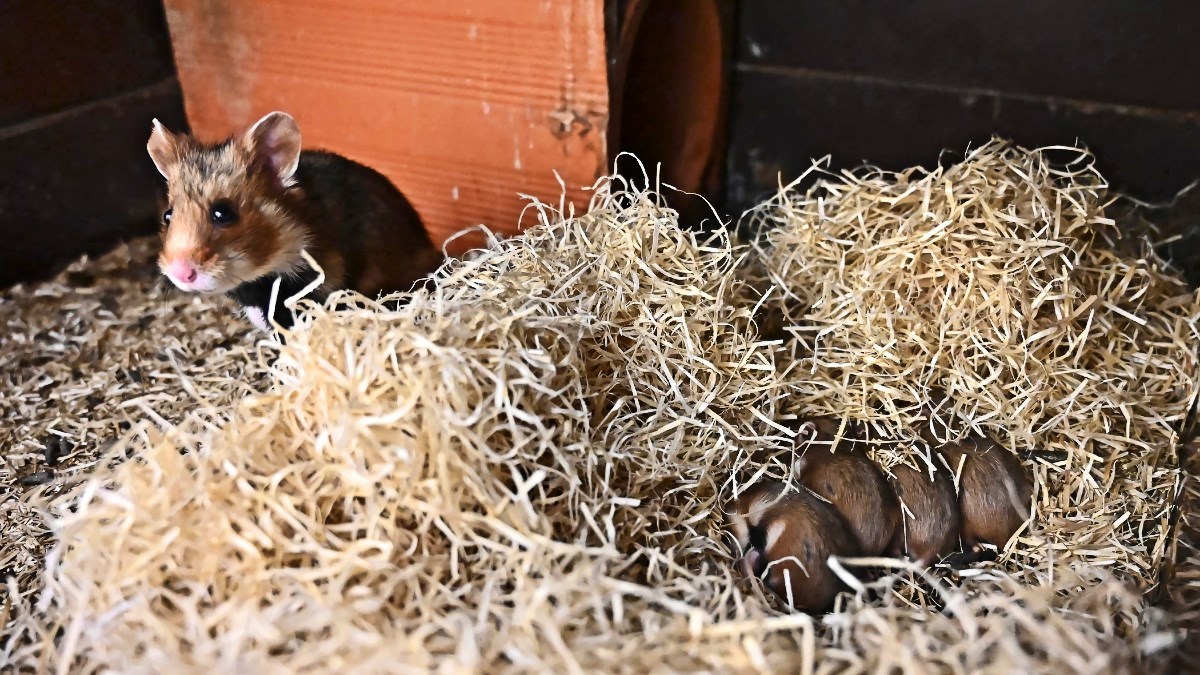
[525,468]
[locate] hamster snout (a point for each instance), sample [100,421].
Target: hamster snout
[787,539]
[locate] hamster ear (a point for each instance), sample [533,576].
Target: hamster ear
[808,430]
[275,141]
[163,147]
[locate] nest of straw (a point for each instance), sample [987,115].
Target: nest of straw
[84,356]
[524,469]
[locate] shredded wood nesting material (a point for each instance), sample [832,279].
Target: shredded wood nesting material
[992,280]
[1183,569]
[521,468]
[995,280]
[524,469]
[81,357]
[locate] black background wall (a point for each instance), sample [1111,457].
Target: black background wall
[894,82]
[891,82]
[79,83]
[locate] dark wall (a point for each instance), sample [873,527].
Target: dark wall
[81,81]
[889,82]
[894,83]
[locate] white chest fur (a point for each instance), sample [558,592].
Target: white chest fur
[257,317]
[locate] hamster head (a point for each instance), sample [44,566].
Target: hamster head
[226,222]
[743,516]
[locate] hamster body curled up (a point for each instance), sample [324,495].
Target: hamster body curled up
[995,490]
[929,519]
[787,539]
[856,487]
[241,211]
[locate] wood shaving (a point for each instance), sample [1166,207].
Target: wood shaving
[525,469]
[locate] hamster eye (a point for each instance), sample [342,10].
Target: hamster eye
[166,217]
[222,213]
[758,537]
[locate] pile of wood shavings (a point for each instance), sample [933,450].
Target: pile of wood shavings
[82,357]
[524,471]
[519,470]
[995,280]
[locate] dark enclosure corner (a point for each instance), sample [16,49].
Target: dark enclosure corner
[730,95]
[670,76]
[895,83]
[81,82]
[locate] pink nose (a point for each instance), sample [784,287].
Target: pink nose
[183,271]
[751,562]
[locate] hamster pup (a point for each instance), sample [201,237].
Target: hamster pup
[786,540]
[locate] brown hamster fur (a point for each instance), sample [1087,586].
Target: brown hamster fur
[855,486]
[772,527]
[930,522]
[995,491]
[241,211]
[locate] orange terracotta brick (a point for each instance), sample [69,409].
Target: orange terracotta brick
[463,104]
